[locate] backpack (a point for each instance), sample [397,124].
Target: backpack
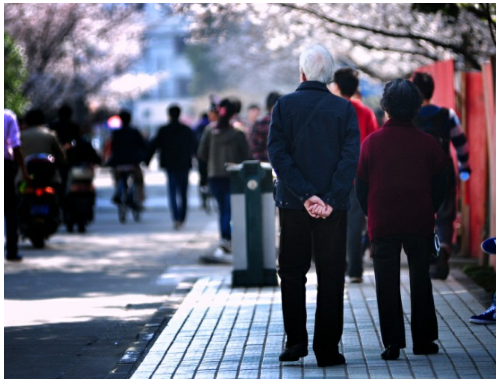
[437,126]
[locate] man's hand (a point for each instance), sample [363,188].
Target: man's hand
[317,208]
[323,212]
[311,205]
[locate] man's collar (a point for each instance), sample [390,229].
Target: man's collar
[312,85]
[398,123]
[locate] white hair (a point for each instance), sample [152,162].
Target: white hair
[317,64]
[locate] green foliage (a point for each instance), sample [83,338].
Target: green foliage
[15,75]
[484,276]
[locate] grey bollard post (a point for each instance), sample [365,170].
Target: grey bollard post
[254,230]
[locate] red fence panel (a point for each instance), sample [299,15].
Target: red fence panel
[489,96]
[477,186]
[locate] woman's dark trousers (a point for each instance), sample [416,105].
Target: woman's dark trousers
[386,252]
[300,233]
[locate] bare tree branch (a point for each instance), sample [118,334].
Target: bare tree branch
[408,35]
[365,44]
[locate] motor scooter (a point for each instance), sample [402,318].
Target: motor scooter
[80,197]
[39,214]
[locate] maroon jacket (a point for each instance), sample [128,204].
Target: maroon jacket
[400,170]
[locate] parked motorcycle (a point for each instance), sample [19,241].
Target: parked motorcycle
[39,215]
[80,197]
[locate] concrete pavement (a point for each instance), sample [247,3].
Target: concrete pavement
[224,332]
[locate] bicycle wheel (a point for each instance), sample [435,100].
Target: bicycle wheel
[122,206]
[134,206]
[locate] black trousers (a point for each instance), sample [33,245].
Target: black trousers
[386,252]
[10,207]
[301,234]
[448,210]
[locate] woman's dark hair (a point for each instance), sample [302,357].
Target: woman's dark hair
[226,110]
[237,104]
[425,84]
[401,99]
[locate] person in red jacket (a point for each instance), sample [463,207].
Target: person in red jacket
[400,185]
[345,84]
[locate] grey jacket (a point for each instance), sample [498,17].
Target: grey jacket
[221,146]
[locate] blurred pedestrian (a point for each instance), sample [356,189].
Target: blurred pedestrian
[313,147]
[221,144]
[67,133]
[260,130]
[400,185]
[12,158]
[128,150]
[489,316]
[444,125]
[253,112]
[66,129]
[345,84]
[177,145]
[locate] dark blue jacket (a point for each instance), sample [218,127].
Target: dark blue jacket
[323,159]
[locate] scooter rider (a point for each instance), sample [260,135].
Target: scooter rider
[128,147]
[37,138]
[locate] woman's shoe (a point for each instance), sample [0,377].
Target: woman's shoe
[391,353]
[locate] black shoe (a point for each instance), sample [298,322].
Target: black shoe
[442,268]
[429,348]
[339,359]
[293,353]
[14,258]
[391,353]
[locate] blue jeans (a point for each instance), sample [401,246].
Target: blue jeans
[177,188]
[220,188]
[355,225]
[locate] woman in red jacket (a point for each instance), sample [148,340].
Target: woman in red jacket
[400,184]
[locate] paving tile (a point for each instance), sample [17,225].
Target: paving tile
[209,374]
[226,374]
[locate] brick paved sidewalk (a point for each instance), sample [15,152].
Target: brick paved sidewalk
[221,332]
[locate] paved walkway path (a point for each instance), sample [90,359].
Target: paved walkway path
[225,332]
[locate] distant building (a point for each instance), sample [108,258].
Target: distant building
[164,51]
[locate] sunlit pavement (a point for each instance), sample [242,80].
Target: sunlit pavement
[85,292]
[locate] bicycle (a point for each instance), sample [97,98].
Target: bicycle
[126,194]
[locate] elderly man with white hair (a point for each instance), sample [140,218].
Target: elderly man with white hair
[313,147]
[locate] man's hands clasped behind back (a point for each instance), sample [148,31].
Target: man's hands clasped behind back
[317,208]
